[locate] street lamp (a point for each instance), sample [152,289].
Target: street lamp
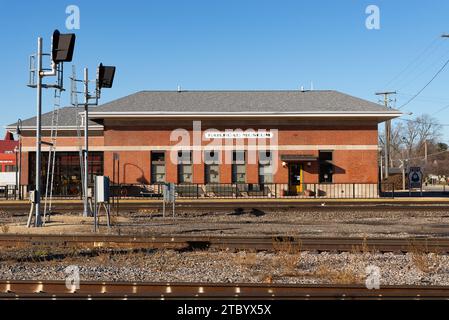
[16,151]
[19,168]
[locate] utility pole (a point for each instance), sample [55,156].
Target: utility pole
[381,166]
[386,95]
[425,151]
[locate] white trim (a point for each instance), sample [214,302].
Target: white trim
[97,115]
[63,128]
[373,147]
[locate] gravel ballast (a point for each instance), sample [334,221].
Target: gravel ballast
[241,267]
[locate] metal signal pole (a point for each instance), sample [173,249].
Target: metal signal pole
[86,211]
[38,220]
[61,51]
[387,131]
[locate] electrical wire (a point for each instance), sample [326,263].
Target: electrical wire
[413,61]
[407,82]
[423,157]
[427,84]
[417,121]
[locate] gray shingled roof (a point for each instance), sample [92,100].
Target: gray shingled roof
[222,101]
[67,118]
[240,101]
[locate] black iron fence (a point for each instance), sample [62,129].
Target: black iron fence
[8,192]
[252,191]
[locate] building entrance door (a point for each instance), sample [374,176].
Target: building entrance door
[295,178]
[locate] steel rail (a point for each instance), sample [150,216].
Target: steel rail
[128,206]
[128,290]
[269,243]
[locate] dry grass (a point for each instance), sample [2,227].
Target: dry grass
[5,228]
[362,248]
[246,259]
[114,220]
[287,245]
[268,279]
[149,211]
[103,258]
[337,276]
[423,259]
[288,255]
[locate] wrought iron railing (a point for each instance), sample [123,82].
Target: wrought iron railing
[252,191]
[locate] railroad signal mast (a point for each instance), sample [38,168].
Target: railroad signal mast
[62,49]
[105,79]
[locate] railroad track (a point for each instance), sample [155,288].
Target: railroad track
[217,205]
[274,243]
[127,290]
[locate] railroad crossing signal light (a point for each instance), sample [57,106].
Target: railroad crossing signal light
[105,76]
[63,47]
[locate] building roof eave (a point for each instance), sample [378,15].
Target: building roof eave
[383,116]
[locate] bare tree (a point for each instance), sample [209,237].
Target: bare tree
[408,140]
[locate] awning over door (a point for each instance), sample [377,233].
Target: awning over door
[298,158]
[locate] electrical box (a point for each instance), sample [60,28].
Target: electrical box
[169,192]
[33,196]
[101,189]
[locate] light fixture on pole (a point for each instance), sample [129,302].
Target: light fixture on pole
[62,51]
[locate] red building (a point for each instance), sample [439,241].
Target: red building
[290,142]
[8,160]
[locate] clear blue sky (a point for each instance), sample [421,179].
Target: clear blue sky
[218,45]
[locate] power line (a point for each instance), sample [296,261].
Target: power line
[428,83]
[442,109]
[413,61]
[407,83]
[417,121]
[431,99]
[422,157]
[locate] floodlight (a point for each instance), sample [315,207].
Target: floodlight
[105,76]
[63,46]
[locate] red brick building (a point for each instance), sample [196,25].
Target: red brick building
[309,138]
[8,160]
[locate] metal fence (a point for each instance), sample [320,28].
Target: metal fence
[252,191]
[8,192]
